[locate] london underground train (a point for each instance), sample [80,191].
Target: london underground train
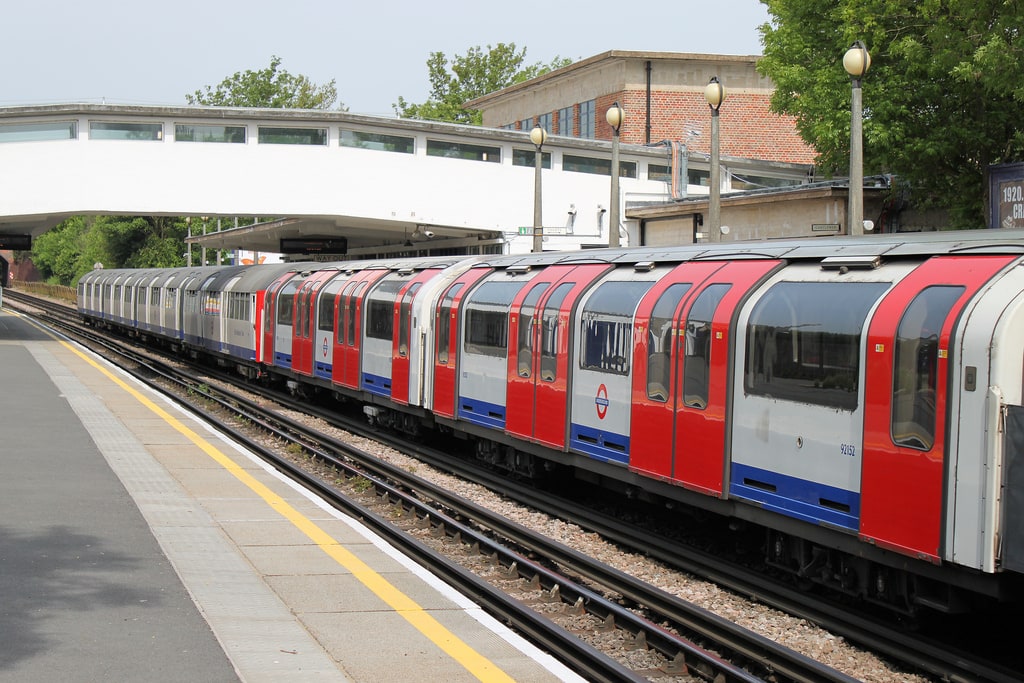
[857,399]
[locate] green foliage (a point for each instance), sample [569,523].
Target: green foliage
[271,87]
[67,251]
[469,76]
[942,99]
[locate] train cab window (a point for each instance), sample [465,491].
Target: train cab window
[549,332]
[486,329]
[405,319]
[659,343]
[802,346]
[286,304]
[524,356]
[380,311]
[697,364]
[915,366]
[444,328]
[607,326]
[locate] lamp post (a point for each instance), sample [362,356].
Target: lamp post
[615,116]
[538,136]
[714,93]
[856,61]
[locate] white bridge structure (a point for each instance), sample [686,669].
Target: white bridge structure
[373,184]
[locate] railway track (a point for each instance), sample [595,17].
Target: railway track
[685,640]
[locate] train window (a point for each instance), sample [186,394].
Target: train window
[803,347]
[915,366]
[380,311]
[607,326]
[154,296]
[343,312]
[524,357]
[549,332]
[659,343]
[697,365]
[303,311]
[325,313]
[444,327]
[487,318]
[405,319]
[286,304]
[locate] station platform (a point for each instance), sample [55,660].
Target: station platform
[137,544]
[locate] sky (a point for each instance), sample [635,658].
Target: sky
[138,52]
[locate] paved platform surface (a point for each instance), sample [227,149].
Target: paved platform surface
[136,544]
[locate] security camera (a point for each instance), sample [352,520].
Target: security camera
[429,234]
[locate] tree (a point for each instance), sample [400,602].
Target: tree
[942,99]
[470,76]
[269,88]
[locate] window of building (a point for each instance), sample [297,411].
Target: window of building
[659,172]
[459,150]
[565,121]
[528,157]
[802,347]
[526,124]
[115,130]
[379,142]
[33,132]
[544,121]
[571,162]
[587,119]
[187,132]
[607,326]
[755,182]
[272,135]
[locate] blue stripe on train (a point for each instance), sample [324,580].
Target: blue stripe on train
[795,497]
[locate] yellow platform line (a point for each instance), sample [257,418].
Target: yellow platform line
[478,665]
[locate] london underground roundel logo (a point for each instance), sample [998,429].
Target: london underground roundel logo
[601,401]
[325,347]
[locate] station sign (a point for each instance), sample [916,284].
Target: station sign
[528,230]
[824,227]
[16,242]
[314,245]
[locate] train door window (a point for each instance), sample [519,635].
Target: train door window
[303,311]
[343,316]
[607,326]
[380,312]
[444,312]
[524,355]
[325,312]
[549,332]
[659,342]
[803,347]
[352,310]
[486,330]
[697,364]
[915,366]
[405,319]
[286,304]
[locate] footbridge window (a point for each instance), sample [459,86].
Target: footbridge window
[378,142]
[120,130]
[459,150]
[272,135]
[33,132]
[189,132]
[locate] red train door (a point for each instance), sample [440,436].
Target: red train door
[270,316]
[404,345]
[538,359]
[681,394]
[905,399]
[446,345]
[305,321]
[349,330]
